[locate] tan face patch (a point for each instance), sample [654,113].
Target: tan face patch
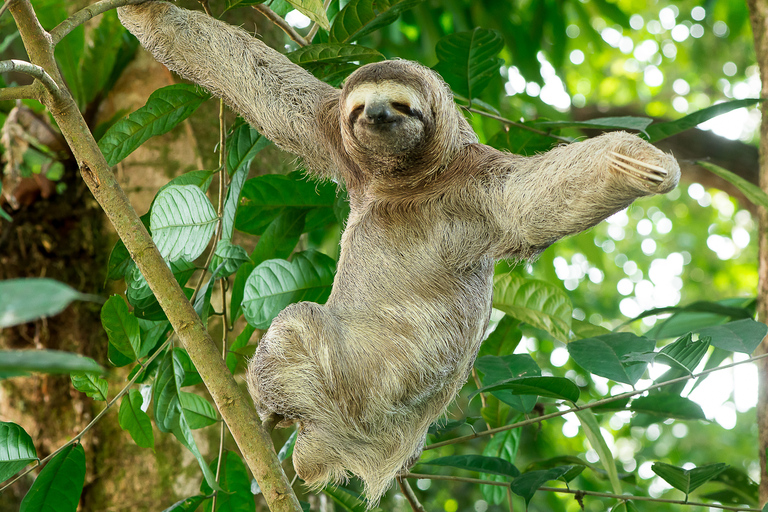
[390,91]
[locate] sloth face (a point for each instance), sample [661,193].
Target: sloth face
[386,117]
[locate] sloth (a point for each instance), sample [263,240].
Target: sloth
[364,375]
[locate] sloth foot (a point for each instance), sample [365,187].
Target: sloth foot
[637,168]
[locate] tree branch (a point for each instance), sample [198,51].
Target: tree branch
[35,71]
[20,92]
[280,22]
[83,15]
[590,405]
[409,495]
[235,407]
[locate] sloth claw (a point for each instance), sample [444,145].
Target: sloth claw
[637,168]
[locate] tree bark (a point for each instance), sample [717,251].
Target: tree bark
[759,18]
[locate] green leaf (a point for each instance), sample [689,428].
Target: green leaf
[468,61]
[231,202]
[333,53]
[687,480]
[739,336]
[230,256]
[191,376]
[265,197]
[281,236]
[16,450]
[479,463]
[27,299]
[287,450]
[201,179]
[242,145]
[604,355]
[198,411]
[119,261]
[528,483]
[668,405]
[135,421]
[165,108]
[537,303]
[441,426]
[59,484]
[361,17]
[522,142]
[591,430]
[142,299]
[183,433]
[752,192]
[503,445]
[100,56]
[91,384]
[603,123]
[613,12]
[684,353]
[236,483]
[275,284]
[233,355]
[46,361]
[553,387]
[122,328]
[314,10]
[504,338]
[182,222]
[659,131]
[346,500]
[187,505]
[166,390]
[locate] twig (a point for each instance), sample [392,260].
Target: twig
[75,439]
[5,6]
[280,22]
[409,495]
[622,497]
[32,70]
[316,26]
[590,405]
[85,14]
[519,125]
[20,92]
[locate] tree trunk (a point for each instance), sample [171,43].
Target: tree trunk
[759,18]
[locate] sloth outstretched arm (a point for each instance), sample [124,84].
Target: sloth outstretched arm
[534,201]
[277,97]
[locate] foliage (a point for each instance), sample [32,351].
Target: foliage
[609,387]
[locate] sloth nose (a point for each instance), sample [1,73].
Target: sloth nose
[379,113]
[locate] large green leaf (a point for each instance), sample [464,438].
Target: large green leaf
[46,361]
[236,482]
[122,328]
[231,203]
[275,284]
[26,299]
[739,336]
[187,505]
[166,390]
[165,108]
[58,486]
[135,421]
[668,405]
[659,131]
[521,141]
[91,384]
[604,355]
[142,299]
[687,480]
[242,146]
[333,53]
[182,222]
[16,450]
[468,61]
[504,338]
[685,353]
[528,483]
[361,17]
[553,387]
[312,9]
[265,197]
[479,463]
[281,236]
[537,303]
[639,124]
[346,500]
[751,191]
[198,411]
[591,429]
[183,433]
[503,445]
[497,369]
[100,57]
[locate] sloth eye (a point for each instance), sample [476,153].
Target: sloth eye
[356,113]
[402,107]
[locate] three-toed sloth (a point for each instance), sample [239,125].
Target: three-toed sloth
[364,375]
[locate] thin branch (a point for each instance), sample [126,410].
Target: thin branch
[5,6]
[280,22]
[95,420]
[409,495]
[628,394]
[519,125]
[83,15]
[32,70]
[20,92]
[316,26]
[622,497]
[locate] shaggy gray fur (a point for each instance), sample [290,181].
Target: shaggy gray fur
[365,375]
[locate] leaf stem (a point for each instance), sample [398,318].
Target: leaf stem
[590,405]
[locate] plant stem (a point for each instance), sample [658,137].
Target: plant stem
[280,22]
[409,495]
[85,14]
[590,405]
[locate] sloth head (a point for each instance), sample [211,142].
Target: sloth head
[398,118]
